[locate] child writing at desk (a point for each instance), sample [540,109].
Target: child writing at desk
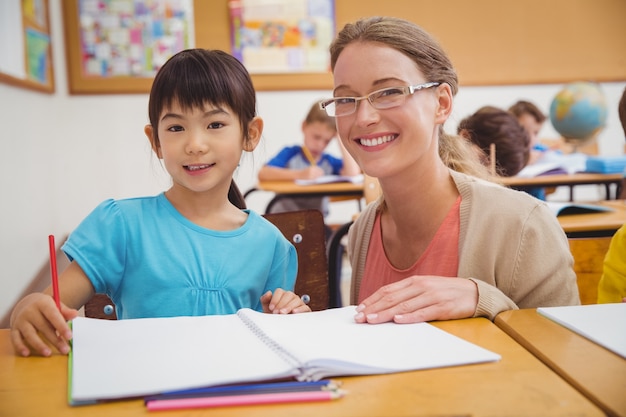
[189,250]
[309,161]
[438,244]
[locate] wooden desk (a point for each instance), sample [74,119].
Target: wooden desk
[572,180]
[595,224]
[518,385]
[289,189]
[595,371]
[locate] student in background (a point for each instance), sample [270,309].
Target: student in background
[309,161]
[493,126]
[438,244]
[612,286]
[189,250]
[532,119]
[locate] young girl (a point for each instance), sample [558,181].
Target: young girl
[189,250]
[439,244]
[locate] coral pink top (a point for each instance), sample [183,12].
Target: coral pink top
[440,258]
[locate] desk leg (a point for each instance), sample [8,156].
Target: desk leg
[335,258]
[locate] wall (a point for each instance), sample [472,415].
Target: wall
[62,155]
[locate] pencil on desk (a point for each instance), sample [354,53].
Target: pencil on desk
[53,272]
[262,388]
[237,400]
[309,156]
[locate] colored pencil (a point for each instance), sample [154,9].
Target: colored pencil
[53,272]
[238,400]
[244,389]
[309,156]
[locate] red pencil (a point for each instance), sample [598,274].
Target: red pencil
[53,272]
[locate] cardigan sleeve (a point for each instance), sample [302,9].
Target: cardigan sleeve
[514,248]
[491,301]
[528,265]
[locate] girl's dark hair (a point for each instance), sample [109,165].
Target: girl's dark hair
[196,77]
[493,125]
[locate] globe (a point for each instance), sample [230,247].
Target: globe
[578,112]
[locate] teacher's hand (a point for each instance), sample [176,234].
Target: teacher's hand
[418,299]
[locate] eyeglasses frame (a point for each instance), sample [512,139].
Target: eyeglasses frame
[407,91]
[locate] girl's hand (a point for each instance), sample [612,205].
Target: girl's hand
[418,299]
[283,302]
[37,323]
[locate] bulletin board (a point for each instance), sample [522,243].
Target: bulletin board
[26,45]
[122,55]
[490,42]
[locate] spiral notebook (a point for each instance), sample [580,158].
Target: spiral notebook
[132,358]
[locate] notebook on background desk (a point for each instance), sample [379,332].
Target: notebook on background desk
[138,357]
[329,179]
[604,324]
[564,209]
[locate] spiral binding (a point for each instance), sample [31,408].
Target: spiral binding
[271,343]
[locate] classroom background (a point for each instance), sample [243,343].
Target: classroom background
[63,154]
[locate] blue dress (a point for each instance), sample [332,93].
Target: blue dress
[153,262]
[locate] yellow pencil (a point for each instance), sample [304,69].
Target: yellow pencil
[308,155]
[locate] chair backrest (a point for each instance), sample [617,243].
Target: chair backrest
[589,256]
[371,189]
[305,230]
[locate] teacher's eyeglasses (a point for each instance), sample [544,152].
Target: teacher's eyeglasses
[386,98]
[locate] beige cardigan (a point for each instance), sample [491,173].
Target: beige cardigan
[510,244]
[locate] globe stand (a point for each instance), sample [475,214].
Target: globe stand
[578,143]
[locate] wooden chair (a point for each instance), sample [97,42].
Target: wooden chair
[588,256]
[305,230]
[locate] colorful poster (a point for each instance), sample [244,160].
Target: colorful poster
[132,38]
[37,46]
[279,36]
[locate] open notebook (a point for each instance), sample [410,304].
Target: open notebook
[138,357]
[555,163]
[564,208]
